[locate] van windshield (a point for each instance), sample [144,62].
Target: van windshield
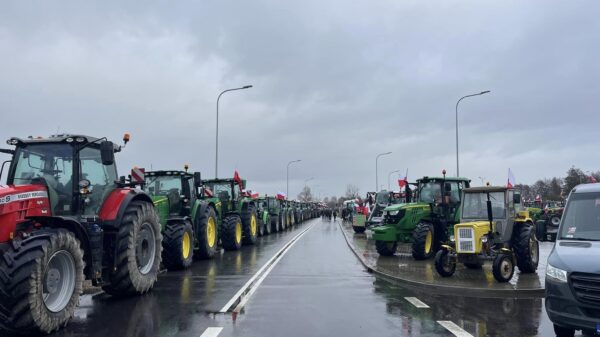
[581,220]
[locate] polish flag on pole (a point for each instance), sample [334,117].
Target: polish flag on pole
[403,182]
[238,180]
[511,179]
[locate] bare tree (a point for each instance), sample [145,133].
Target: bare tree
[352,191]
[305,195]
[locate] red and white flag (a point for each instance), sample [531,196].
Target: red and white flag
[593,179]
[281,196]
[511,179]
[403,182]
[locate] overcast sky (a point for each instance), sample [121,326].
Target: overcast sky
[335,83]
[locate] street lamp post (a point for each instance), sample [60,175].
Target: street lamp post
[389,175]
[481,93]
[287,177]
[217,130]
[377,168]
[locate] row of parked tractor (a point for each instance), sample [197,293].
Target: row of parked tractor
[66,217]
[447,219]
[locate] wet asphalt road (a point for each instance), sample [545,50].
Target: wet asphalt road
[318,288]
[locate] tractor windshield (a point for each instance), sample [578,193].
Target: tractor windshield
[163,185]
[475,206]
[52,162]
[383,197]
[581,220]
[430,192]
[221,190]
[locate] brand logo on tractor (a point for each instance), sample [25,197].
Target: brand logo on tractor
[23,196]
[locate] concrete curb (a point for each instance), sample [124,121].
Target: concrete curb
[444,289]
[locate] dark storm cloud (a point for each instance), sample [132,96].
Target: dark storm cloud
[335,83]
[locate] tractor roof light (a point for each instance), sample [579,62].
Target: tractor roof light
[79,139]
[126,137]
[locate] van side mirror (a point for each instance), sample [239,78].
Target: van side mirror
[197,179]
[517,198]
[107,153]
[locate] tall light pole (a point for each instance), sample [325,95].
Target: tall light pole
[481,93]
[377,169]
[287,177]
[217,130]
[389,175]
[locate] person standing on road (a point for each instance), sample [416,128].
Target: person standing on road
[334,214]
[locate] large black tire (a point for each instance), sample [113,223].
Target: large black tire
[250,225]
[443,263]
[268,225]
[23,269]
[424,244]
[526,248]
[136,273]
[283,224]
[178,245]
[261,226]
[207,233]
[231,233]
[554,220]
[386,248]
[503,268]
[274,224]
[359,229]
[540,230]
[563,332]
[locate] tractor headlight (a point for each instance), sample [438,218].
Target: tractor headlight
[484,239]
[452,239]
[394,212]
[556,274]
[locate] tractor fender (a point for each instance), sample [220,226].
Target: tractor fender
[70,224]
[116,203]
[199,209]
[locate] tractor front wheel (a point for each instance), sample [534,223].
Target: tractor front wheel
[207,234]
[503,268]
[138,251]
[41,279]
[359,229]
[424,245]
[445,265]
[231,233]
[540,230]
[526,248]
[250,225]
[386,248]
[178,245]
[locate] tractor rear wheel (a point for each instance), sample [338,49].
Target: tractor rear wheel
[503,268]
[526,248]
[444,264]
[386,248]
[138,251]
[424,245]
[261,226]
[283,221]
[250,225]
[178,245]
[231,232]
[207,233]
[41,279]
[540,230]
[267,224]
[359,229]
[563,332]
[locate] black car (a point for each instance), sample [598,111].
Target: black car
[573,271]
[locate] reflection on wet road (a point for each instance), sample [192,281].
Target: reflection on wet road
[318,288]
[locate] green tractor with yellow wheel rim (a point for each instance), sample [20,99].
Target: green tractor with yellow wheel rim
[237,214]
[427,223]
[189,224]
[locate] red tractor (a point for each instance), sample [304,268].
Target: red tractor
[66,217]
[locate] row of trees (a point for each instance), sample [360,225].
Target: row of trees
[558,188]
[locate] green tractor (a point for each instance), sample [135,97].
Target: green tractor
[264,216]
[189,223]
[274,206]
[426,222]
[236,213]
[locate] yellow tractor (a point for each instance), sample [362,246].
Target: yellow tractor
[494,227]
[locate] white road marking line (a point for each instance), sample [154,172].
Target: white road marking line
[455,329]
[416,302]
[211,332]
[255,286]
[240,292]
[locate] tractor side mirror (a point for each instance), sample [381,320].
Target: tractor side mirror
[517,198]
[489,211]
[197,179]
[107,153]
